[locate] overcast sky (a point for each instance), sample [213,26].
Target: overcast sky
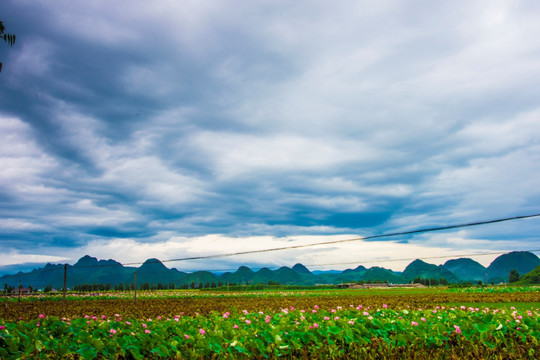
[138,129]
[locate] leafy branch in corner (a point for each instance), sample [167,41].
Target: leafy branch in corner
[9,38]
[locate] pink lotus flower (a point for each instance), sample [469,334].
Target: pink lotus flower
[186,336]
[147,331]
[248,322]
[202,332]
[2,327]
[235,326]
[41,316]
[113,331]
[315,325]
[414,323]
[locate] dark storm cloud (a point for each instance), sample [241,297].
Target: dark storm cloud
[145,122]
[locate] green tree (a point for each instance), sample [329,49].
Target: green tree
[513,276]
[9,38]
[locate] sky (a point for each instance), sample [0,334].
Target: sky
[139,129]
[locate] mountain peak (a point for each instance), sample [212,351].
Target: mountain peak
[466,269]
[243,269]
[301,269]
[360,268]
[86,260]
[422,269]
[522,261]
[153,265]
[108,262]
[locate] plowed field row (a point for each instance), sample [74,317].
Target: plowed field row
[205,305]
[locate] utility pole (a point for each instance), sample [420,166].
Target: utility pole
[65,288]
[135,274]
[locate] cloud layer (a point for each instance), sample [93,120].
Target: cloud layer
[141,123]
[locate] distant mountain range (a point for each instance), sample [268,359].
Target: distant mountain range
[89,270]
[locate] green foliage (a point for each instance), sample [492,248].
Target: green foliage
[513,276]
[320,332]
[531,278]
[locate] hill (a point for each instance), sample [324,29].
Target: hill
[421,269]
[198,279]
[380,274]
[530,278]
[301,269]
[244,275]
[152,271]
[89,270]
[466,269]
[522,261]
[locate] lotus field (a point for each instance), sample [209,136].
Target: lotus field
[391,324]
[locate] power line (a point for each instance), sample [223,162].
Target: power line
[331,242]
[378,261]
[421,258]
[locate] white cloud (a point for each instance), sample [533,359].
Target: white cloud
[13,257]
[22,225]
[152,180]
[24,164]
[389,254]
[238,155]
